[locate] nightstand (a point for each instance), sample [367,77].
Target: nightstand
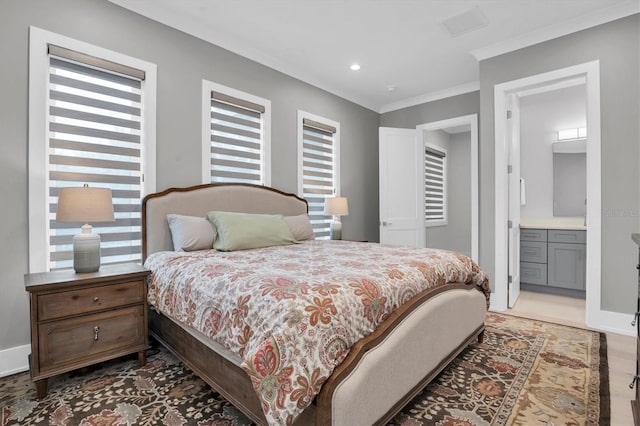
[82,319]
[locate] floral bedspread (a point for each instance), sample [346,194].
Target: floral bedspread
[293,312]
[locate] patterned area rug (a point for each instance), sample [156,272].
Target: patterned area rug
[524,373]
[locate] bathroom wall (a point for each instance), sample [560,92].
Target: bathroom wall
[541,116]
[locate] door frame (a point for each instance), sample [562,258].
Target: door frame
[471,120]
[594,317]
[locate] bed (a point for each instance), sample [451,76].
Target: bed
[376,377]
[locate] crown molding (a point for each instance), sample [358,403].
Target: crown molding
[432,96]
[175,20]
[602,16]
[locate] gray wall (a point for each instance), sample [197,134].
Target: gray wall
[183,61]
[460,192]
[456,234]
[442,109]
[616,46]
[541,116]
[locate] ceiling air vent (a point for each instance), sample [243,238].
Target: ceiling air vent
[466,22]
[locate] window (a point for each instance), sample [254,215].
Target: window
[93,131]
[318,167]
[236,136]
[435,185]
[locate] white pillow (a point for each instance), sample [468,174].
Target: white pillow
[300,227]
[191,233]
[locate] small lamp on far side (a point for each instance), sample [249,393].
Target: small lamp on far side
[336,207]
[85,204]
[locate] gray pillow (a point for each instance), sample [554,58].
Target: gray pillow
[191,233]
[300,227]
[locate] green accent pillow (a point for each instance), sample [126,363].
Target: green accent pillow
[241,231]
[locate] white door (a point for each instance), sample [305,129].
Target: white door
[401,187]
[513,143]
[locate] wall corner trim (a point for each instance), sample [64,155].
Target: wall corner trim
[14,360]
[598,17]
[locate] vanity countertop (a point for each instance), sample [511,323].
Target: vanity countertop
[575,223]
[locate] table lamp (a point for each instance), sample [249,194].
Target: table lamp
[336,206]
[85,204]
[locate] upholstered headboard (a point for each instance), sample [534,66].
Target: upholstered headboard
[201,199]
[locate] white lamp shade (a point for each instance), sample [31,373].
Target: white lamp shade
[85,204]
[336,206]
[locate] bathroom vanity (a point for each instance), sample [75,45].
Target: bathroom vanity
[553,255]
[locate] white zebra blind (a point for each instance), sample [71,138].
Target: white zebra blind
[318,172]
[236,150]
[94,137]
[435,166]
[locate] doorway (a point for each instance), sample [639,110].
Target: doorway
[459,138]
[589,73]
[403,216]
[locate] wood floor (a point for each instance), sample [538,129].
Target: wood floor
[621,349]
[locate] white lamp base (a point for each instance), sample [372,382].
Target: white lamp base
[86,251]
[336,229]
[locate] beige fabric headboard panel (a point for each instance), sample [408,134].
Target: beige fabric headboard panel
[199,200]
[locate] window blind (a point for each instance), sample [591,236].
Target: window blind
[236,140]
[95,138]
[434,184]
[318,172]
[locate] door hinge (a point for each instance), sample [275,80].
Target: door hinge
[508,113]
[509,224]
[510,279]
[509,168]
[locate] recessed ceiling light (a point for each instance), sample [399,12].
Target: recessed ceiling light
[355,67]
[391,88]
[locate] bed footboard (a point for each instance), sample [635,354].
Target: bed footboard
[376,383]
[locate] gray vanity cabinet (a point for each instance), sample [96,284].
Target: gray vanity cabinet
[566,258]
[553,258]
[533,256]
[566,265]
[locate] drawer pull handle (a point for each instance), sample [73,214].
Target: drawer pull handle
[95,299]
[635,319]
[96,330]
[633,381]
[638,266]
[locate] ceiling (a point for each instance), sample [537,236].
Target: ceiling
[398,43]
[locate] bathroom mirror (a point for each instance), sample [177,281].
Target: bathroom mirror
[569,184]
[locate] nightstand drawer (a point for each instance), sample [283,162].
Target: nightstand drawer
[84,340]
[86,300]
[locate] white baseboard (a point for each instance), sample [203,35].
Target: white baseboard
[613,322]
[14,360]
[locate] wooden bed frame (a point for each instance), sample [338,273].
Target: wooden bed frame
[433,310]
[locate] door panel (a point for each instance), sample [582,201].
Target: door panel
[401,188]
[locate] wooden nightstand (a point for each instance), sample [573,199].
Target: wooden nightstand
[82,319]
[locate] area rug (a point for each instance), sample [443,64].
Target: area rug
[524,373]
